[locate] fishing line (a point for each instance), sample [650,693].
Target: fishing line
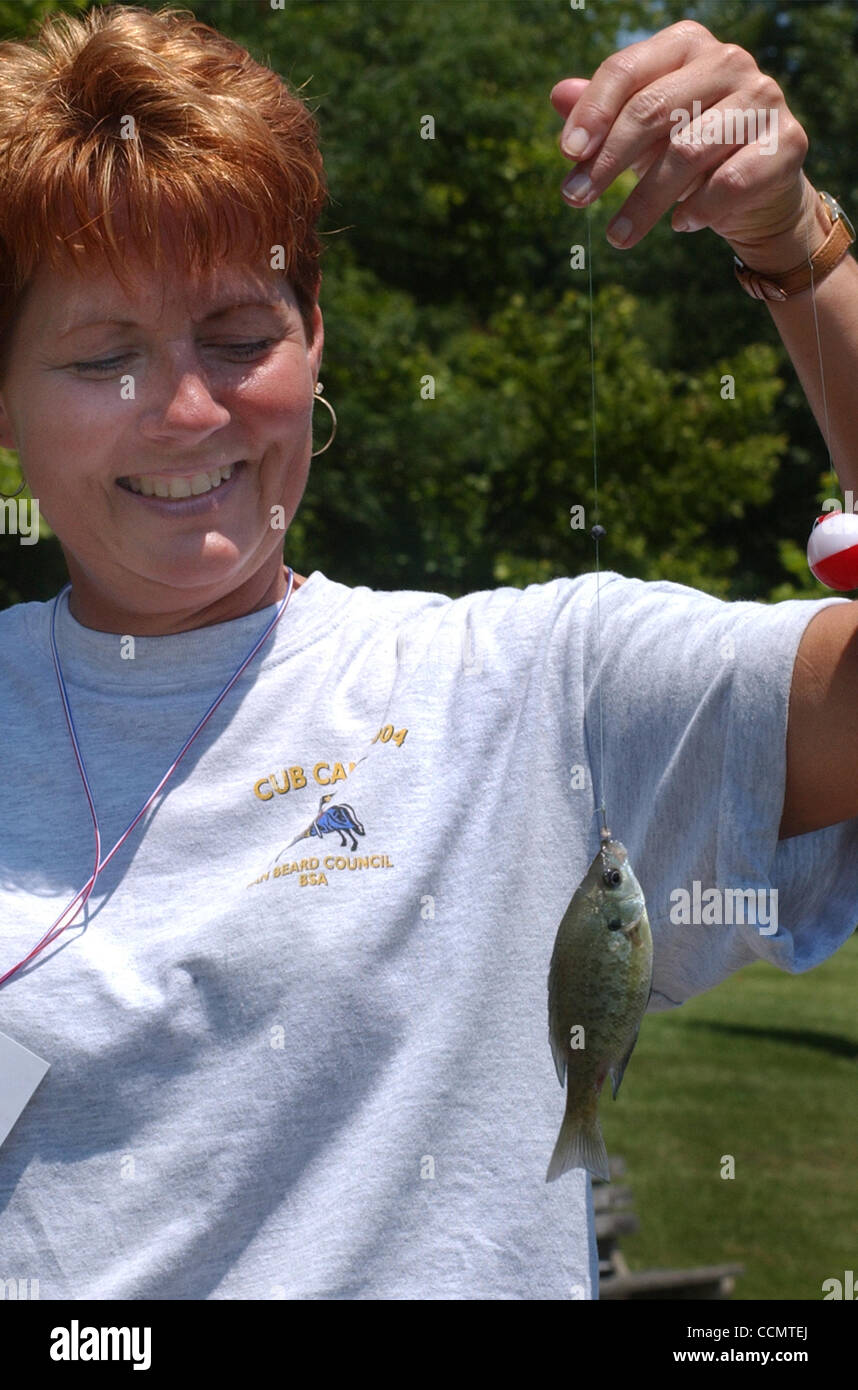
[818,344]
[597,533]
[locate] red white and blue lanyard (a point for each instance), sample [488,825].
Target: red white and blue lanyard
[80,898]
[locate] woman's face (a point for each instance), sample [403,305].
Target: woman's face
[117,399]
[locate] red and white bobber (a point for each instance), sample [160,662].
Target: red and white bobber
[832,550]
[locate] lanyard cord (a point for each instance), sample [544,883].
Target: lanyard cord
[80,898]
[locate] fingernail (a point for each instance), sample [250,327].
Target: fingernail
[687,223]
[619,231]
[575,142]
[578,187]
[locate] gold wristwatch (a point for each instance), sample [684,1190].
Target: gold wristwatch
[761,285]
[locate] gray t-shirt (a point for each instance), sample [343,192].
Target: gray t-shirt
[299,1048]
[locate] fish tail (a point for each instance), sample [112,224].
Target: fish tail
[579,1145]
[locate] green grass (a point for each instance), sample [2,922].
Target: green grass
[764,1068]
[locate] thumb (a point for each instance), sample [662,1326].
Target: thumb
[564,95]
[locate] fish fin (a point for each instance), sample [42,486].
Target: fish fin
[579,1145]
[616,1073]
[556,1037]
[559,1054]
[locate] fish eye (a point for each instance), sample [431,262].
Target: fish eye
[615,925]
[612,877]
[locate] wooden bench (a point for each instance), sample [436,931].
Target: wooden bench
[614,1218]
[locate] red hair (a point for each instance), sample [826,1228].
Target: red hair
[214,136]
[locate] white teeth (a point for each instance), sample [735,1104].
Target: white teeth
[158,485]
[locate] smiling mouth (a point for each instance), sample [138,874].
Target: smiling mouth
[170,486]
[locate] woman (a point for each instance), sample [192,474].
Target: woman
[296,1029]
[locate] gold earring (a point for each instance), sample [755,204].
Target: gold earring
[9,495]
[319,397]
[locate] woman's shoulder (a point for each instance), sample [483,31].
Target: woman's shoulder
[19,619]
[24,637]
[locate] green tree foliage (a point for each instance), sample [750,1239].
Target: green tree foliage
[18,17]
[811,48]
[449,259]
[481,492]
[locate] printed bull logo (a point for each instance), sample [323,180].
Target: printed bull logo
[341,819]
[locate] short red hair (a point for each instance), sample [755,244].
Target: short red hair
[216,136]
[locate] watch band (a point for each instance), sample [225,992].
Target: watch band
[761,285]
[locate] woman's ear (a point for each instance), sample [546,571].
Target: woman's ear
[317,343]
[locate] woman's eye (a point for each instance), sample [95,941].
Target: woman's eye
[249,349]
[110,364]
[243,351]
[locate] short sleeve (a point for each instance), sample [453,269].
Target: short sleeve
[695,697]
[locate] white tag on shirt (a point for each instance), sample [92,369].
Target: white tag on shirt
[21,1071]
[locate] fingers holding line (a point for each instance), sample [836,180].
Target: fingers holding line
[639,97]
[674,172]
[619,77]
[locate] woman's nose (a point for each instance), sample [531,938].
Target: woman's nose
[180,402]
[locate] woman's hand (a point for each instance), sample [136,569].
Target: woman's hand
[746,183]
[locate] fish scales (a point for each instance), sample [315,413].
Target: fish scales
[599,983]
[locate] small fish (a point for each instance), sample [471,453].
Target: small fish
[599,985]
